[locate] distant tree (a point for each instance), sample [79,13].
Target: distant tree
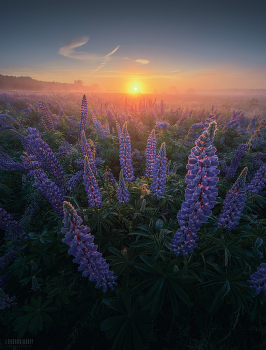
[78,82]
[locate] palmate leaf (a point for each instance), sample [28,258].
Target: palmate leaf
[128,325]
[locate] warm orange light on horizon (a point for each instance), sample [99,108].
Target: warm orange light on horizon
[135,87]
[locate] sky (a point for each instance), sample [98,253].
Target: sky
[136,46]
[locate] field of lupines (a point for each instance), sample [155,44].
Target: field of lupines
[129,225]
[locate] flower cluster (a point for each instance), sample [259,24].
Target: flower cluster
[118,129]
[159,172]
[200,193]
[6,163]
[10,226]
[125,155]
[86,151]
[34,284]
[44,154]
[47,118]
[122,191]
[91,186]
[234,203]
[82,247]
[162,125]
[75,180]
[150,154]
[99,128]
[83,116]
[258,280]
[258,181]
[107,128]
[5,301]
[108,175]
[236,160]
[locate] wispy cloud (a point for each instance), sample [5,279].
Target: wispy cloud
[69,51]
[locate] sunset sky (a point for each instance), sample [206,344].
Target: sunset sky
[144,45]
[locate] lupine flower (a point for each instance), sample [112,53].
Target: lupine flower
[159,172]
[35,285]
[99,128]
[83,116]
[85,251]
[258,181]
[50,190]
[234,203]
[107,129]
[162,125]
[200,193]
[223,166]
[110,177]
[46,116]
[75,180]
[10,226]
[91,186]
[122,191]
[30,210]
[258,280]
[150,154]
[125,155]
[118,129]
[86,151]
[5,301]
[6,163]
[45,155]
[236,160]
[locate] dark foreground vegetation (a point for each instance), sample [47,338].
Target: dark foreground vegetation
[169,253]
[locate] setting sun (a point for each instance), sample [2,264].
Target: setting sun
[135,87]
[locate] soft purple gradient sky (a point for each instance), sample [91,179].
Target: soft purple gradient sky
[149,44]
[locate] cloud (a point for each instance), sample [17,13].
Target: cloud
[69,51]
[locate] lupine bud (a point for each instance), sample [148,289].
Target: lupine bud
[83,117]
[200,193]
[86,151]
[234,203]
[85,251]
[46,116]
[159,172]
[99,128]
[122,191]
[75,180]
[125,155]
[91,186]
[236,160]
[258,280]
[258,181]
[5,301]
[35,285]
[10,226]
[150,154]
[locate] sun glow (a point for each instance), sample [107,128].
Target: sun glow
[135,87]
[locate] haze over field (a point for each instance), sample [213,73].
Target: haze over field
[138,46]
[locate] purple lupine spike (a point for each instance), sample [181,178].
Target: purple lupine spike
[150,153]
[86,151]
[125,155]
[91,186]
[118,129]
[99,128]
[107,128]
[5,301]
[236,160]
[75,180]
[46,116]
[11,227]
[6,163]
[258,181]
[82,247]
[223,166]
[34,284]
[83,117]
[159,172]
[234,203]
[200,193]
[122,191]
[45,155]
[30,210]
[258,280]
[162,125]
[108,175]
